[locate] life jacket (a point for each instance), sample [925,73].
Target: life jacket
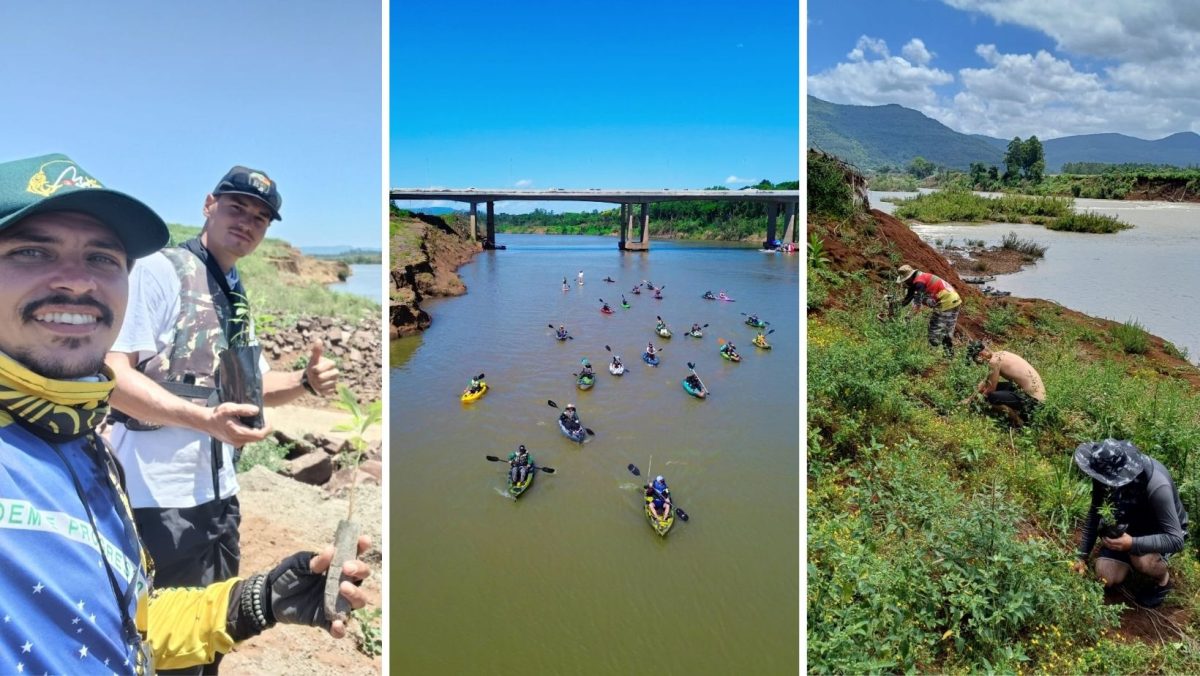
[658,487]
[187,367]
[938,289]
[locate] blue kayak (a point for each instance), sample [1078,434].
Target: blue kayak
[578,435]
[653,361]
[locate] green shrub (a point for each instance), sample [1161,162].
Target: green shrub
[267,453]
[1131,337]
[828,193]
[1088,222]
[999,319]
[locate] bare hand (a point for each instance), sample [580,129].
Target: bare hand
[1121,544]
[225,424]
[1080,566]
[322,373]
[355,570]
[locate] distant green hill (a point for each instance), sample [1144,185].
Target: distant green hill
[1180,150]
[872,136]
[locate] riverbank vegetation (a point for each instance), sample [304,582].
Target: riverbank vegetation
[280,292]
[957,205]
[725,221]
[939,540]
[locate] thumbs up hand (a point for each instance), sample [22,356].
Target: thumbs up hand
[321,375]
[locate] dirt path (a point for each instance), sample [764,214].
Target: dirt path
[281,517]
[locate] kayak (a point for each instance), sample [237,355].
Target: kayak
[653,361]
[468,396]
[637,292]
[731,357]
[586,382]
[762,343]
[626,305]
[664,332]
[607,311]
[660,526]
[699,394]
[658,296]
[726,299]
[562,337]
[708,297]
[578,435]
[616,370]
[516,490]
[609,280]
[696,334]
[758,325]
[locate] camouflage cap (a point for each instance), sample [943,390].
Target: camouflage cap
[49,183]
[1112,462]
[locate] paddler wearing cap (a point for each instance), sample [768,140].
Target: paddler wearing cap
[75,582]
[1150,522]
[191,381]
[937,294]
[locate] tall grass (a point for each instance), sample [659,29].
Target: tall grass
[1027,247]
[1131,337]
[1088,222]
[940,542]
[964,206]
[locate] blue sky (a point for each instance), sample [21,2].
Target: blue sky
[591,94]
[160,99]
[1015,67]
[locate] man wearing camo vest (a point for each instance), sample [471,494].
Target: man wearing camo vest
[191,381]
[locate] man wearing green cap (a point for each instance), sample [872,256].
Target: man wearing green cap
[1148,523]
[75,583]
[187,340]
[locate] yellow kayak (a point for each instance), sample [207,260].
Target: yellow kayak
[468,396]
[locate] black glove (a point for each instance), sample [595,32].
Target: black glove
[290,593]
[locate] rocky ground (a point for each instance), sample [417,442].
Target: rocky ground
[425,252]
[356,347]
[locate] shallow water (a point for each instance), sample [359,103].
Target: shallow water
[571,578]
[1148,273]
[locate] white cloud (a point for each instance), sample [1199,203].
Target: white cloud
[867,80]
[1105,29]
[523,183]
[1014,94]
[916,53]
[735,179]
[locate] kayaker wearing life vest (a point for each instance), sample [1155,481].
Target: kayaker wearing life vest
[708,295]
[569,418]
[606,308]
[729,349]
[475,386]
[936,293]
[616,362]
[520,463]
[587,371]
[650,349]
[561,332]
[694,382]
[695,328]
[660,496]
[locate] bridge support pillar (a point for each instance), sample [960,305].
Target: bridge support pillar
[789,217]
[474,220]
[624,227]
[643,241]
[489,241]
[772,218]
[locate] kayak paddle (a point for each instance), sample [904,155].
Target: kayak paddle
[547,470]
[692,366]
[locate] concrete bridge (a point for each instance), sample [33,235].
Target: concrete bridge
[777,201]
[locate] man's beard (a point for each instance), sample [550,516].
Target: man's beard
[81,366]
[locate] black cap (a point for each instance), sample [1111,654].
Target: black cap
[246,181]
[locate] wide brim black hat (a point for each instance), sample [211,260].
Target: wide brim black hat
[1112,462]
